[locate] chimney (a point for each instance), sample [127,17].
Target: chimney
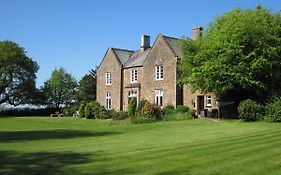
[145,42]
[197,32]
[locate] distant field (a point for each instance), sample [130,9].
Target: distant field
[45,146]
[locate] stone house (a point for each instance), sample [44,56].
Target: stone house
[149,73]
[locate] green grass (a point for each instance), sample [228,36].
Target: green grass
[33,145]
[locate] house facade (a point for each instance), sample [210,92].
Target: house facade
[149,73]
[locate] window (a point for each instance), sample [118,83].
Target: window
[159,72]
[134,76]
[159,97]
[209,100]
[108,78]
[108,101]
[132,94]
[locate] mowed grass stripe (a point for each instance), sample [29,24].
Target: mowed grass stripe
[256,153]
[228,148]
[257,142]
[182,147]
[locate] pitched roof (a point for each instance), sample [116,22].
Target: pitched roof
[137,58]
[130,58]
[123,55]
[174,44]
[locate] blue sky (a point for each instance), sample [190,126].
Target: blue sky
[75,34]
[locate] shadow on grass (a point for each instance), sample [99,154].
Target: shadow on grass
[53,163]
[16,136]
[43,163]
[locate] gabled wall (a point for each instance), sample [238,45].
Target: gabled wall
[160,54]
[110,63]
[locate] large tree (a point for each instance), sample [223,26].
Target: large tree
[239,54]
[60,89]
[87,88]
[17,75]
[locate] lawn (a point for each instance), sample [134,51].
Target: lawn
[34,145]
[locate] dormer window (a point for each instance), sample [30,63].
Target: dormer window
[134,76]
[159,72]
[108,78]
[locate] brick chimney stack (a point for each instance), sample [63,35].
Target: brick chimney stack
[145,42]
[197,32]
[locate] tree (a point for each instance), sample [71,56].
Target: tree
[93,110]
[60,89]
[82,110]
[132,107]
[17,75]
[239,54]
[88,111]
[87,89]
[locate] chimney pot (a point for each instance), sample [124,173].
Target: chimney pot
[145,42]
[197,32]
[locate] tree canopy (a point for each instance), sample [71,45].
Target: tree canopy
[60,89]
[240,50]
[87,88]
[17,75]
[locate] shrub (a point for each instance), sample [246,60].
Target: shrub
[97,110]
[132,107]
[140,119]
[73,109]
[273,110]
[167,110]
[140,106]
[69,110]
[193,113]
[182,109]
[88,111]
[82,110]
[123,115]
[27,111]
[119,115]
[105,114]
[249,110]
[178,116]
[151,111]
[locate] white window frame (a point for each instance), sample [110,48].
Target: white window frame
[134,76]
[108,101]
[108,79]
[209,100]
[159,72]
[159,97]
[132,94]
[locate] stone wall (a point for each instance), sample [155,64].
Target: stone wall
[190,99]
[110,64]
[161,54]
[128,86]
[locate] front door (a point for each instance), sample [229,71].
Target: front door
[200,104]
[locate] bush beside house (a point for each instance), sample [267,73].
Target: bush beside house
[273,110]
[132,107]
[250,110]
[146,112]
